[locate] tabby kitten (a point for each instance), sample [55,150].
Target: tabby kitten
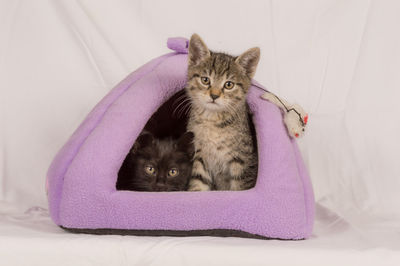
[225,155]
[157,165]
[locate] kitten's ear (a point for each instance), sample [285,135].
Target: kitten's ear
[144,140]
[185,143]
[249,60]
[198,51]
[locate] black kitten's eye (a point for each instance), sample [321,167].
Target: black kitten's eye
[173,172]
[205,80]
[150,169]
[229,85]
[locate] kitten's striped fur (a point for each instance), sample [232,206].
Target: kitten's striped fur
[225,157]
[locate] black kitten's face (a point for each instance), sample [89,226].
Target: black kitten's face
[155,171]
[161,165]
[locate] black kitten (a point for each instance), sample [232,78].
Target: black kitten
[157,165]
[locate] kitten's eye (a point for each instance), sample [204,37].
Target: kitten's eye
[150,170]
[205,80]
[229,85]
[173,172]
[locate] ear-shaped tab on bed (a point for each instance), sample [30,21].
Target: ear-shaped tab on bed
[178,44]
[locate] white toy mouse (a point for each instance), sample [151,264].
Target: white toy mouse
[295,118]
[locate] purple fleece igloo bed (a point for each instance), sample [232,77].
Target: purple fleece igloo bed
[82,177]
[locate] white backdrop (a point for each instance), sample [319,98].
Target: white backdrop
[339,59]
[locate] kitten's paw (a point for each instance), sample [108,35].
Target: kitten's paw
[197,185]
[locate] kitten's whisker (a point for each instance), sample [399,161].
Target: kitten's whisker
[182,108]
[183,102]
[180,104]
[186,107]
[178,100]
[188,110]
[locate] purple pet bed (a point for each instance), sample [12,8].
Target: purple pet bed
[82,178]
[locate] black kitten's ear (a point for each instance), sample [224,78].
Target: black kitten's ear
[198,51]
[144,140]
[249,61]
[185,143]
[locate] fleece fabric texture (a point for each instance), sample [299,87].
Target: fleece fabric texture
[83,175]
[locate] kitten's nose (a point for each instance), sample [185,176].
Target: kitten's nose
[160,187]
[213,96]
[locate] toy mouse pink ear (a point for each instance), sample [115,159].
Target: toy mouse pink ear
[305,119]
